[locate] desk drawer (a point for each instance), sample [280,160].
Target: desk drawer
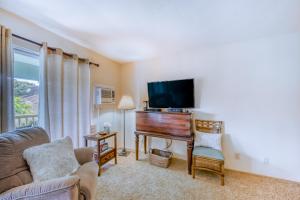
[167,123]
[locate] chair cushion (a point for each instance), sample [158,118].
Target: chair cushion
[212,140]
[208,153]
[14,170]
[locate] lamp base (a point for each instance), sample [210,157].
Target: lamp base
[123,152]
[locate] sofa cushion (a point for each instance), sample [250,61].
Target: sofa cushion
[88,180]
[52,160]
[14,170]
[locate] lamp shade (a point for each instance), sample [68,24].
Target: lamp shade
[126,103]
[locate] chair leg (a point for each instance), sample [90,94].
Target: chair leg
[193,167]
[222,175]
[222,180]
[193,171]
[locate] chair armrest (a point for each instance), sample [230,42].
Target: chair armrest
[84,154]
[60,188]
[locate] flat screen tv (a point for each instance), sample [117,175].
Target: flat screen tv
[171,94]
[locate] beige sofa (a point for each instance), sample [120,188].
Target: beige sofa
[16,180]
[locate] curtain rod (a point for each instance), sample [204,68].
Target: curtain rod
[40,44]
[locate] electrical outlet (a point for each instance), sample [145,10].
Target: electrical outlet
[237,156]
[266,161]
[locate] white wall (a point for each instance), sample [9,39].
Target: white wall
[108,73]
[253,86]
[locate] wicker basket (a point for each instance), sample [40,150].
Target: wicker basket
[160,158]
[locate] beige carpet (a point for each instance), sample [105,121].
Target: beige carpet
[138,180]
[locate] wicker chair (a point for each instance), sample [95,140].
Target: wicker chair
[205,158]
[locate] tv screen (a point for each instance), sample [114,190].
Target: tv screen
[171,94]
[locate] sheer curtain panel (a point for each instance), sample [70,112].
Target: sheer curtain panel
[65,95]
[83,103]
[43,90]
[6,81]
[70,99]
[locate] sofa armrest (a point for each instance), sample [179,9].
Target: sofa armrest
[64,188]
[84,154]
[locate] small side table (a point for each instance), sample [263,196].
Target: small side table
[106,155]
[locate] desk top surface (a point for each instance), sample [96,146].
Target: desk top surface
[164,112]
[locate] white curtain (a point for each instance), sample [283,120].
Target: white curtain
[43,91]
[66,90]
[6,81]
[70,101]
[84,103]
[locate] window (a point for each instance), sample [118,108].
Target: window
[26,87]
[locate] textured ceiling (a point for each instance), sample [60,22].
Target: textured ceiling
[132,30]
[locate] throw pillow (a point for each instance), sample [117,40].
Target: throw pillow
[212,140]
[51,160]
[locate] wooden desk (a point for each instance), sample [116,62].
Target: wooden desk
[174,126]
[106,155]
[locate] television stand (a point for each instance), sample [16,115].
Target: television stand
[167,125]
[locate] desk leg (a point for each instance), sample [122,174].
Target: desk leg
[85,142]
[136,146]
[189,155]
[116,149]
[99,163]
[145,144]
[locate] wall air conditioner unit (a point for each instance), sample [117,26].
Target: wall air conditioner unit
[104,95]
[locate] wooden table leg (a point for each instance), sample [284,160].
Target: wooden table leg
[189,155]
[145,144]
[99,163]
[116,149]
[136,146]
